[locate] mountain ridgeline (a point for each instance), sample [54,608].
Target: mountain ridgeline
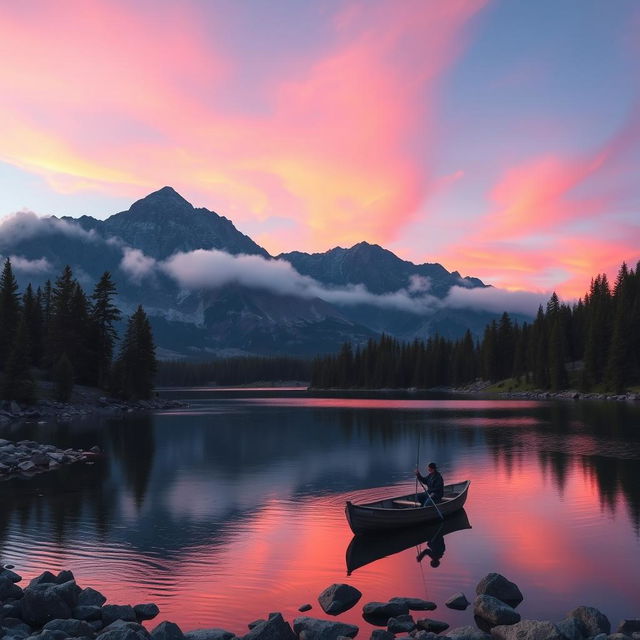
[237,315]
[592,345]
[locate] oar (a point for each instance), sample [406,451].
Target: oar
[417,465]
[432,501]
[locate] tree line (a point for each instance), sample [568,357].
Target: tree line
[232,371]
[592,344]
[70,337]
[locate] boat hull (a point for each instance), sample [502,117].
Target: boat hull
[386,514]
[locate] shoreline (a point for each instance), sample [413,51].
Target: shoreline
[55,607]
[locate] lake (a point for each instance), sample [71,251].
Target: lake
[234,507]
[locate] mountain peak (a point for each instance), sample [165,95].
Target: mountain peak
[165,200]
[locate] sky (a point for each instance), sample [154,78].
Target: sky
[500,138]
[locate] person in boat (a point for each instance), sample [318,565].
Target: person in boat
[433,482]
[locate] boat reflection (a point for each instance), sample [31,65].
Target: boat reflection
[365,549]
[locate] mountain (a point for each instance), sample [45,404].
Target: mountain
[261,305]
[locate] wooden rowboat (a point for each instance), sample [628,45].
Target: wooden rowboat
[404,511]
[368,548]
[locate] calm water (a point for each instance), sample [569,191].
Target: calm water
[233,508]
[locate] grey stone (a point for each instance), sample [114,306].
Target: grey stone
[528,630]
[593,620]
[494,611]
[68,591]
[65,576]
[426,635]
[167,631]
[457,601]
[572,629]
[48,635]
[121,633]
[467,633]
[9,589]
[46,577]
[629,626]
[429,624]
[304,607]
[72,628]
[385,610]
[618,636]
[381,634]
[91,597]
[41,603]
[316,629]
[113,612]
[10,575]
[87,612]
[209,634]
[401,624]
[255,623]
[496,585]
[275,628]
[27,466]
[146,611]
[338,598]
[123,624]
[416,604]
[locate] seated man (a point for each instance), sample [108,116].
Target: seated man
[434,483]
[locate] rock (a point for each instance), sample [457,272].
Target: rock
[593,620]
[122,624]
[304,607]
[9,589]
[629,626]
[426,635]
[618,636]
[14,407]
[457,601]
[380,612]
[65,576]
[91,597]
[467,633]
[429,624]
[496,585]
[572,629]
[416,604]
[69,592]
[72,628]
[46,577]
[146,611]
[401,624]
[5,572]
[48,635]
[113,612]
[338,598]
[16,627]
[255,623]
[494,611]
[27,466]
[87,612]
[42,603]
[528,630]
[316,629]
[382,634]
[122,632]
[275,628]
[209,634]
[167,631]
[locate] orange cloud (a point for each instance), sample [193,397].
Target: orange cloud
[110,96]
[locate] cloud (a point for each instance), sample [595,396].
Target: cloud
[136,264]
[495,300]
[24,225]
[36,267]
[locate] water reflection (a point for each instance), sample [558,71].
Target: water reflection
[240,500]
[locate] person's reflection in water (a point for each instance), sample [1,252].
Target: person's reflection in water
[435,549]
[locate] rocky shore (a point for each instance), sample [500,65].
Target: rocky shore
[55,607]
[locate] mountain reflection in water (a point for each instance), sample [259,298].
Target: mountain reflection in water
[235,507]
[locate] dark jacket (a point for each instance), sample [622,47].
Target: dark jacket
[434,483]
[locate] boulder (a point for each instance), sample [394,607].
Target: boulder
[629,626]
[9,589]
[65,576]
[496,585]
[416,604]
[381,634]
[304,607]
[5,572]
[72,628]
[275,628]
[494,611]
[379,612]
[338,598]
[146,611]
[91,597]
[167,631]
[113,612]
[426,635]
[593,620]
[401,624]
[214,633]
[572,629]
[87,612]
[429,624]
[467,633]
[68,591]
[48,635]
[122,624]
[316,629]
[255,623]
[528,630]
[46,577]
[16,627]
[42,603]
[618,636]
[122,632]
[457,601]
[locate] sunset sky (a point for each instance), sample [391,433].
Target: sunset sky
[500,138]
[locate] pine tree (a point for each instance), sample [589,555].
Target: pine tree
[32,312]
[136,366]
[59,317]
[104,315]
[17,382]
[9,310]
[63,378]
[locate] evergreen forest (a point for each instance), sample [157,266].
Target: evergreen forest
[60,334]
[593,345]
